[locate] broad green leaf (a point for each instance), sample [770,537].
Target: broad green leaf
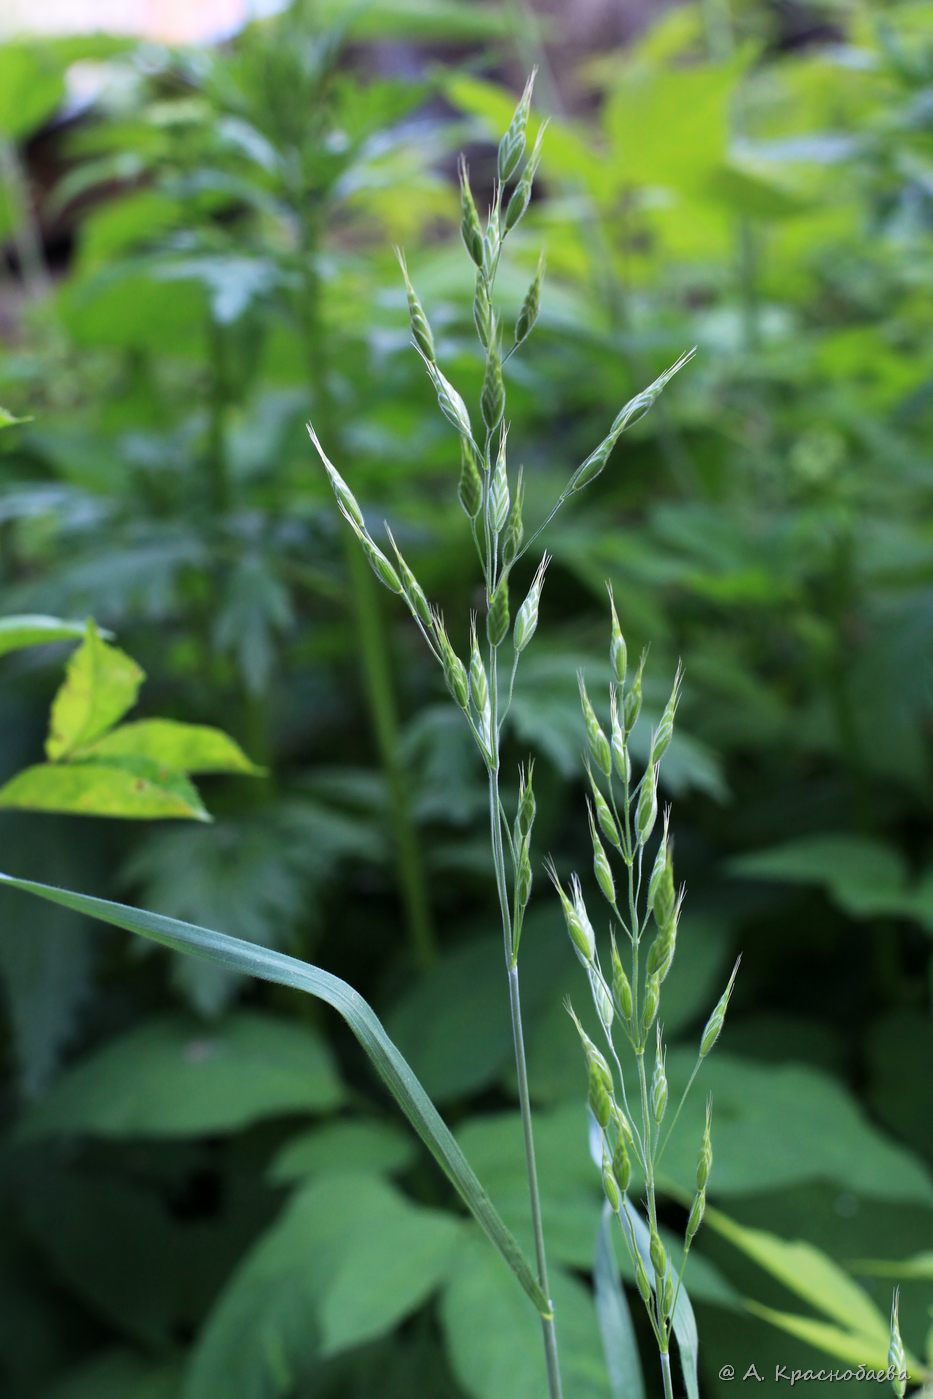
[620,1345]
[387,1061]
[119,1374]
[335,1147]
[780,1125]
[347,1259]
[131,788]
[865,877]
[185,747]
[16,633]
[919,1267]
[175,1077]
[494,1343]
[808,1273]
[101,684]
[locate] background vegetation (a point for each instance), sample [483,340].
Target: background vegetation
[202,1190]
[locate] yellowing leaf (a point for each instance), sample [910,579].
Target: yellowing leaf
[810,1274]
[185,747]
[101,684]
[134,788]
[35,630]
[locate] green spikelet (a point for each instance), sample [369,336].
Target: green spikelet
[647,811]
[469,219]
[499,498]
[621,986]
[601,866]
[470,488]
[597,740]
[665,730]
[454,669]
[659,1083]
[521,195]
[652,998]
[414,593]
[497,618]
[483,318]
[631,705]
[603,815]
[515,528]
[621,1166]
[531,306]
[492,398]
[897,1359]
[715,1023]
[697,1210]
[420,329]
[618,654]
[705,1159]
[512,145]
[620,754]
[610,1185]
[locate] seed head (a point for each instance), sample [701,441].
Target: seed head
[601,866]
[610,1185]
[470,489]
[479,687]
[497,618]
[346,500]
[631,705]
[620,755]
[469,218]
[665,729]
[618,654]
[652,999]
[580,930]
[603,815]
[658,1255]
[637,407]
[528,315]
[661,952]
[491,244]
[897,1360]
[420,329]
[527,808]
[621,986]
[523,876]
[521,195]
[621,1166]
[512,145]
[661,884]
[515,528]
[715,1023]
[454,669]
[647,811]
[380,565]
[697,1211]
[492,398]
[601,998]
[597,740]
[659,1083]
[526,622]
[705,1159]
[483,317]
[598,1075]
[449,401]
[414,593]
[499,489]
[642,1282]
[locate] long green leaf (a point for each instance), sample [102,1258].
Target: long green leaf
[615,1320]
[393,1069]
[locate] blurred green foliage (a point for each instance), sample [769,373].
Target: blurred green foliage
[202,1192]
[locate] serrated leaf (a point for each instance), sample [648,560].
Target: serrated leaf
[16,633]
[131,788]
[388,1062]
[184,747]
[176,1077]
[101,684]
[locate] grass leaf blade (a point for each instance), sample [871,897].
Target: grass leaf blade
[268,965]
